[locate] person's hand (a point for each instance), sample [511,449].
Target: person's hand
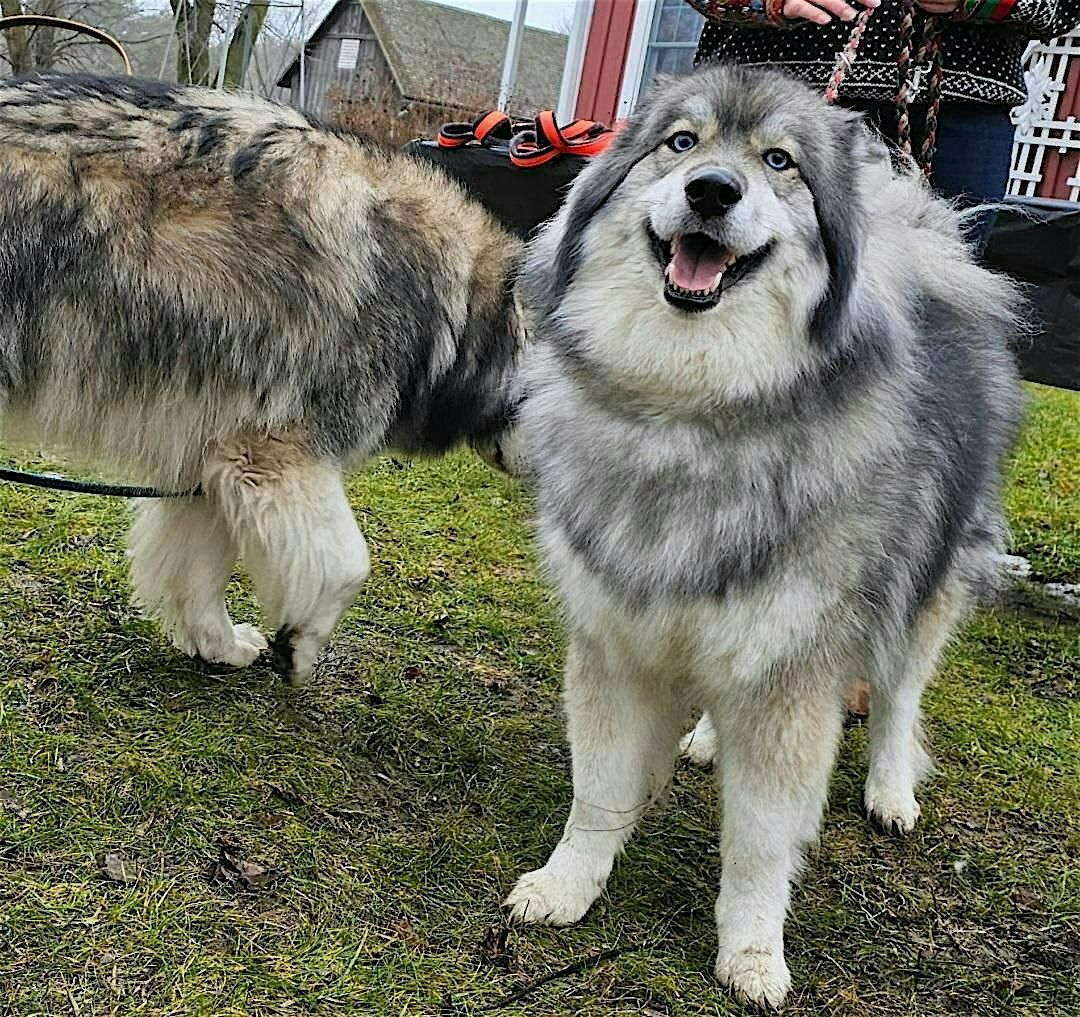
[821,12]
[940,8]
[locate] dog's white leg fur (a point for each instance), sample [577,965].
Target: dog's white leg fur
[699,746]
[623,728]
[898,760]
[298,539]
[181,557]
[776,752]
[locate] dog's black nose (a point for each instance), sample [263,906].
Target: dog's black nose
[713,192]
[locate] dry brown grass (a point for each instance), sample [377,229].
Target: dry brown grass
[387,119]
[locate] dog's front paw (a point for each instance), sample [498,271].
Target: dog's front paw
[758,974]
[237,646]
[548,896]
[894,810]
[294,654]
[248,643]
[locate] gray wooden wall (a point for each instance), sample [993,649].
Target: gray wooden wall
[369,79]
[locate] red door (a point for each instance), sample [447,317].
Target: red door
[605,59]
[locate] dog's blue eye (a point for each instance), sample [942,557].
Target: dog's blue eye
[778,159]
[681,141]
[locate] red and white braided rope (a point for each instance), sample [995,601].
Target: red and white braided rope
[930,49]
[846,57]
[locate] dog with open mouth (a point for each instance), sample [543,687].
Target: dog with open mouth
[767,401]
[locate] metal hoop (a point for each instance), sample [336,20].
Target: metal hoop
[20,20]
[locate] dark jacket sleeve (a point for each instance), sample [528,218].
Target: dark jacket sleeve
[1041,19]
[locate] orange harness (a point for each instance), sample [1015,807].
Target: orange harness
[529,142]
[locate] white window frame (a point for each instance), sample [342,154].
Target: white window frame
[636,52]
[575,60]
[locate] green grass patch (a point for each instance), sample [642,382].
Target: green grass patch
[400,796]
[1043,496]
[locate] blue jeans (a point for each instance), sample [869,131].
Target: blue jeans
[974,150]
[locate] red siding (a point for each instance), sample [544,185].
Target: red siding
[605,58]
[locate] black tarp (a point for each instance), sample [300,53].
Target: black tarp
[1038,244]
[520,198]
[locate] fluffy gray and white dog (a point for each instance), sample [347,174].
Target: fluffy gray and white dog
[766,413]
[207,289]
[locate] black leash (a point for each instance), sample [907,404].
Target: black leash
[52,482]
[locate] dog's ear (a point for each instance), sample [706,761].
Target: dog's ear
[842,224]
[590,192]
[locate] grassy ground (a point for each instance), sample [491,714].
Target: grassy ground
[372,824]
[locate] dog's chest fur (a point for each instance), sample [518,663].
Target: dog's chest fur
[752,632]
[711,547]
[660,508]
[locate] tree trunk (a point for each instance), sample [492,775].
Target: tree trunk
[242,44]
[193,27]
[18,48]
[44,38]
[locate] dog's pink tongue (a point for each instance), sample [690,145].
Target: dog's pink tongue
[696,269]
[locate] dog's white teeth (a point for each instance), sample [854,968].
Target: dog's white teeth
[691,293]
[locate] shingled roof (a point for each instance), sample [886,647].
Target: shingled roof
[449,56]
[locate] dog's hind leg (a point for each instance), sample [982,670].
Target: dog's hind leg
[623,726]
[699,746]
[289,514]
[898,760]
[182,554]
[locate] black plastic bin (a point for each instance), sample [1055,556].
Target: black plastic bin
[520,198]
[1039,244]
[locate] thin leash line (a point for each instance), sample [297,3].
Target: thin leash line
[930,48]
[54,482]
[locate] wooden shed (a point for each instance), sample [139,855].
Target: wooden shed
[408,52]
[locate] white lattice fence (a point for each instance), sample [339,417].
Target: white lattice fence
[1045,132]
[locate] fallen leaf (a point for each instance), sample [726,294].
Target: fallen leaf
[10,803]
[348,810]
[270,820]
[286,794]
[257,877]
[403,929]
[494,949]
[1025,897]
[144,827]
[119,868]
[232,869]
